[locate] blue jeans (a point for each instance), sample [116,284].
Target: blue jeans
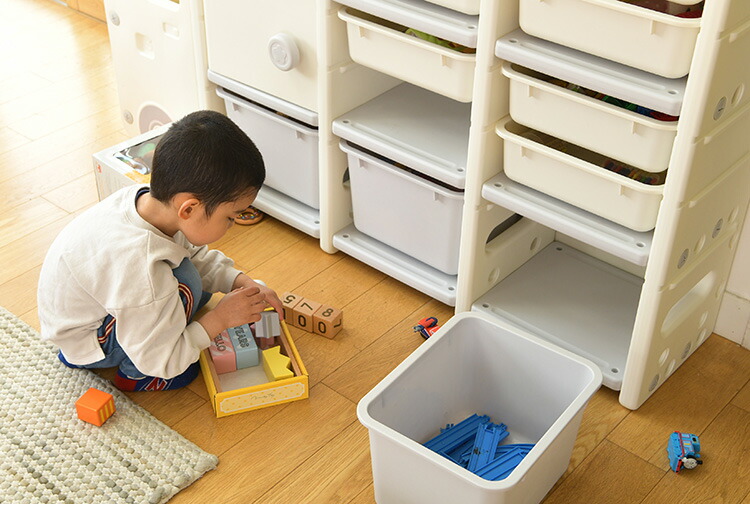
[114,356]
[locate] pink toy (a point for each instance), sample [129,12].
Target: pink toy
[222,353]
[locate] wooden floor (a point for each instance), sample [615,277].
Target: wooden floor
[58,105]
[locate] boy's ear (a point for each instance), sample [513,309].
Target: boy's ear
[186,205]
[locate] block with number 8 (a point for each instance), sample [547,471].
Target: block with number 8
[327,321]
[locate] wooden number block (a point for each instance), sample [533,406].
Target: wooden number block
[289,301]
[302,314]
[327,321]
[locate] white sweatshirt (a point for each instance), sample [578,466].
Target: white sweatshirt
[109,260]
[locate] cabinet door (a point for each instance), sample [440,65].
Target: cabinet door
[267,45]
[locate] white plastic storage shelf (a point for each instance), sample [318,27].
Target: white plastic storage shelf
[646,39]
[407,151]
[287,137]
[382,36]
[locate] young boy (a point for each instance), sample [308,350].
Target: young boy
[121,284]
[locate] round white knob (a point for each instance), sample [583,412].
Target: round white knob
[283,51]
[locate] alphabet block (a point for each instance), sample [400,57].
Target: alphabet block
[289,301]
[303,314]
[327,321]
[95,406]
[245,348]
[222,353]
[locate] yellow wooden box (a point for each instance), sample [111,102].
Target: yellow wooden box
[230,396]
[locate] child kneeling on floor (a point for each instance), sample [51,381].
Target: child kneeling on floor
[122,283]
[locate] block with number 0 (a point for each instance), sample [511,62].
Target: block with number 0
[303,314]
[327,321]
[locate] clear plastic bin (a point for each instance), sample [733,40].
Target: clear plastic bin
[476,364]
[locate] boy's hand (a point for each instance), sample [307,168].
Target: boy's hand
[272,299]
[241,306]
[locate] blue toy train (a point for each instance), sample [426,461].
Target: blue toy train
[683,450]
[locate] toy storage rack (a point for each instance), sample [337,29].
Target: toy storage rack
[671,278]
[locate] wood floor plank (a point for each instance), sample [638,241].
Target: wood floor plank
[10,139]
[74,195]
[26,218]
[274,450]
[609,475]
[720,479]
[338,472]
[56,173]
[742,399]
[361,373]
[688,401]
[18,295]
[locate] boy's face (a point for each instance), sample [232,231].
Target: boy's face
[202,230]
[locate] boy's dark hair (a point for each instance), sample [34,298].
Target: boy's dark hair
[206,154]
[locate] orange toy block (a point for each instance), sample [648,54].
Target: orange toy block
[289,301]
[95,406]
[303,314]
[327,321]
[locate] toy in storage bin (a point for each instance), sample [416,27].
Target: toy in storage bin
[646,39]
[382,36]
[160,61]
[627,114]
[476,364]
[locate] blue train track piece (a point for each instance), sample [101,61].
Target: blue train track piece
[452,438]
[485,444]
[503,466]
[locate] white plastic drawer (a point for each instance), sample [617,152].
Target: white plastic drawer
[384,46]
[416,216]
[465,6]
[577,176]
[629,34]
[271,46]
[624,135]
[289,148]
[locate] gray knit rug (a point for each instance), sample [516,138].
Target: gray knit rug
[48,455]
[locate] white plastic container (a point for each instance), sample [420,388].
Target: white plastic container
[574,179]
[289,148]
[642,38]
[476,364]
[383,46]
[416,216]
[465,6]
[633,138]
[160,62]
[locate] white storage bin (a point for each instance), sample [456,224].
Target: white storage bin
[629,34]
[384,46]
[575,178]
[465,6]
[476,364]
[627,136]
[414,215]
[289,148]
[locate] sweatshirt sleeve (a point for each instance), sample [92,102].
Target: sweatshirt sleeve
[216,269]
